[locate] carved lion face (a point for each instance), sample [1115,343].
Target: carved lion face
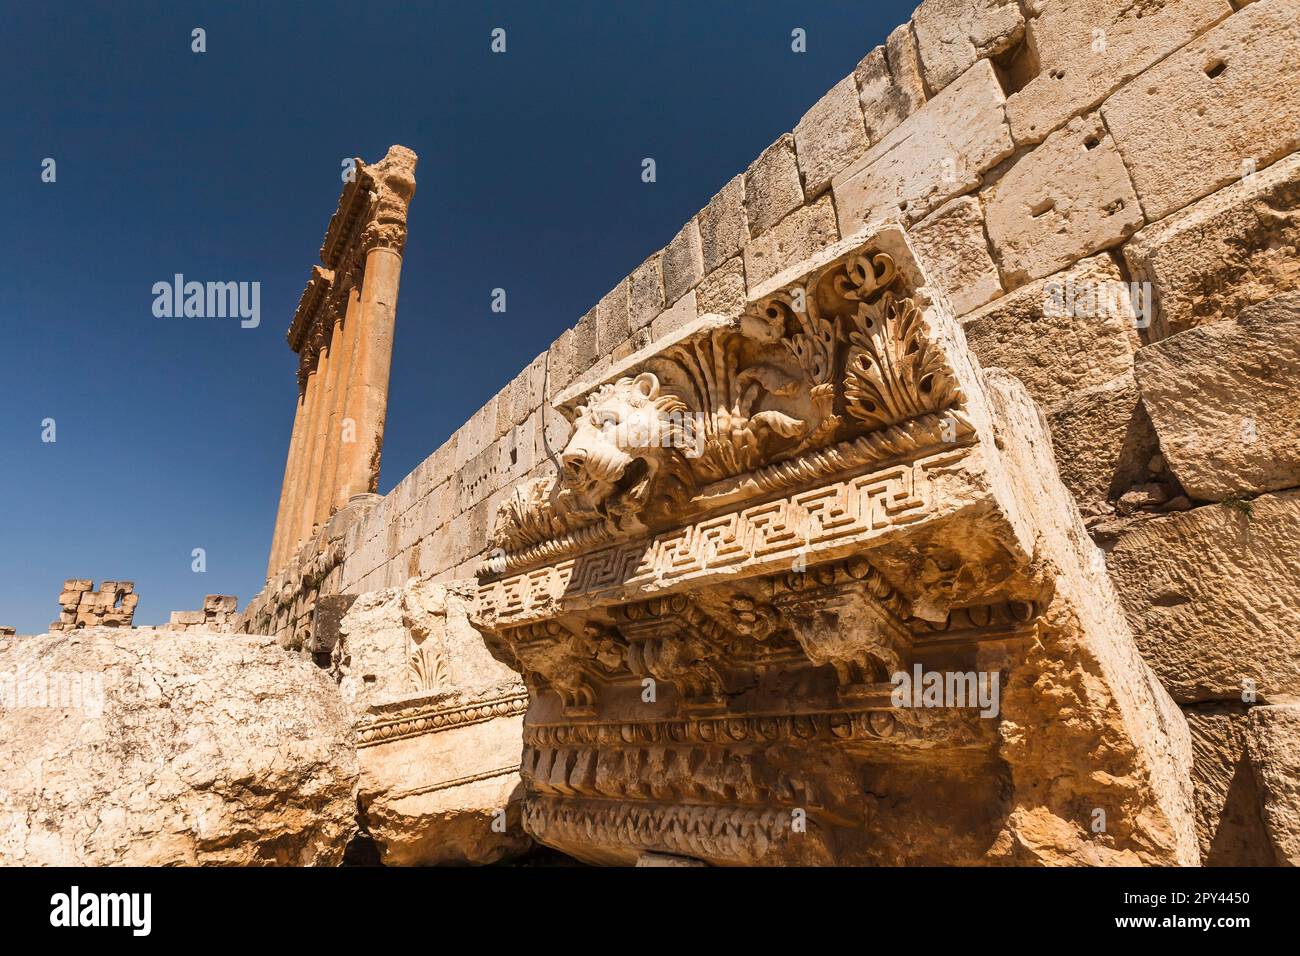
[621,437]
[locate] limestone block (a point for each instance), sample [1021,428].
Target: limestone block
[1069,198]
[1087,49]
[583,351]
[830,136]
[951,245]
[772,187]
[1071,331]
[612,324]
[1273,736]
[682,312]
[1191,123]
[683,262]
[937,153]
[645,298]
[438,727]
[723,229]
[889,78]
[723,290]
[1225,401]
[1213,599]
[796,237]
[177,749]
[1229,825]
[1234,248]
[1103,440]
[952,34]
[870,503]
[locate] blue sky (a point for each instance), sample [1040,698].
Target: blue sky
[224,166]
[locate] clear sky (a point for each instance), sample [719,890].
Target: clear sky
[171,433]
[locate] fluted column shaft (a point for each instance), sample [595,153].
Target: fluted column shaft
[342,354]
[367,402]
[284,508]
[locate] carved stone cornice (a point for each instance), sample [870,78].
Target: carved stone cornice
[761,528]
[414,720]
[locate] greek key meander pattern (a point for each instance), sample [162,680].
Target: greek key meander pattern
[414,721]
[805,522]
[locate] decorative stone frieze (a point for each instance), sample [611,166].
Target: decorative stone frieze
[763,529]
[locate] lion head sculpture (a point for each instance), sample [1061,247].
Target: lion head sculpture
[629,451]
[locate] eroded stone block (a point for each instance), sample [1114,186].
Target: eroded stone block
[1274,744]
[795,237]
[1213,599]
[1229,825]
[772,186]
[1222,105]
[1103,441]
[172,750]
[723,230]
[1225,401]
[830,136]
[1071,331]
[1069,198]
[951,35]
[937,153]
[1087,49]
[890,85]
[954,250]
[438,725]
[1232,249]
[804,505]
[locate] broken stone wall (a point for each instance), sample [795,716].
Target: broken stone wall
[113,605]
[1041,157]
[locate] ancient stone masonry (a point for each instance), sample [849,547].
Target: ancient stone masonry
[438,725]
[758,523]
[343,334]
[216,616]
[113,605]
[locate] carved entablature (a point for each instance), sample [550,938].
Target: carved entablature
[755,525]
[371,213]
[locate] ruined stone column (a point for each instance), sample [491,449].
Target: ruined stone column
[383,240]
[339,428]
[343,351]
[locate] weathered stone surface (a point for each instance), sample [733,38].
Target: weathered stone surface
[1103,441]
[723,230]
[723,290]
[772,187]
[952,34]
[113,605]
[795,237]
[1087,49]
[829,137]
[1069,198]
[1071,331]
[645,295]
[683,262]
[937,153]
[1229,825]
[1225,401]
[680,313]
[438,724]
[1188,125]
[1213,597]
[612,327]
[951,245]
[1273,735]
[1232,249]
[890,85]
[186,749]
[701,631]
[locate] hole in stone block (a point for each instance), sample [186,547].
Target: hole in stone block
[1092,142]
[1016,66]
[1215,69]
[1043,208]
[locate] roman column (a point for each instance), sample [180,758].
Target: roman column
[382,242]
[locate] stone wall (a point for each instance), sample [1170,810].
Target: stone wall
[1041,157]
[113,605]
